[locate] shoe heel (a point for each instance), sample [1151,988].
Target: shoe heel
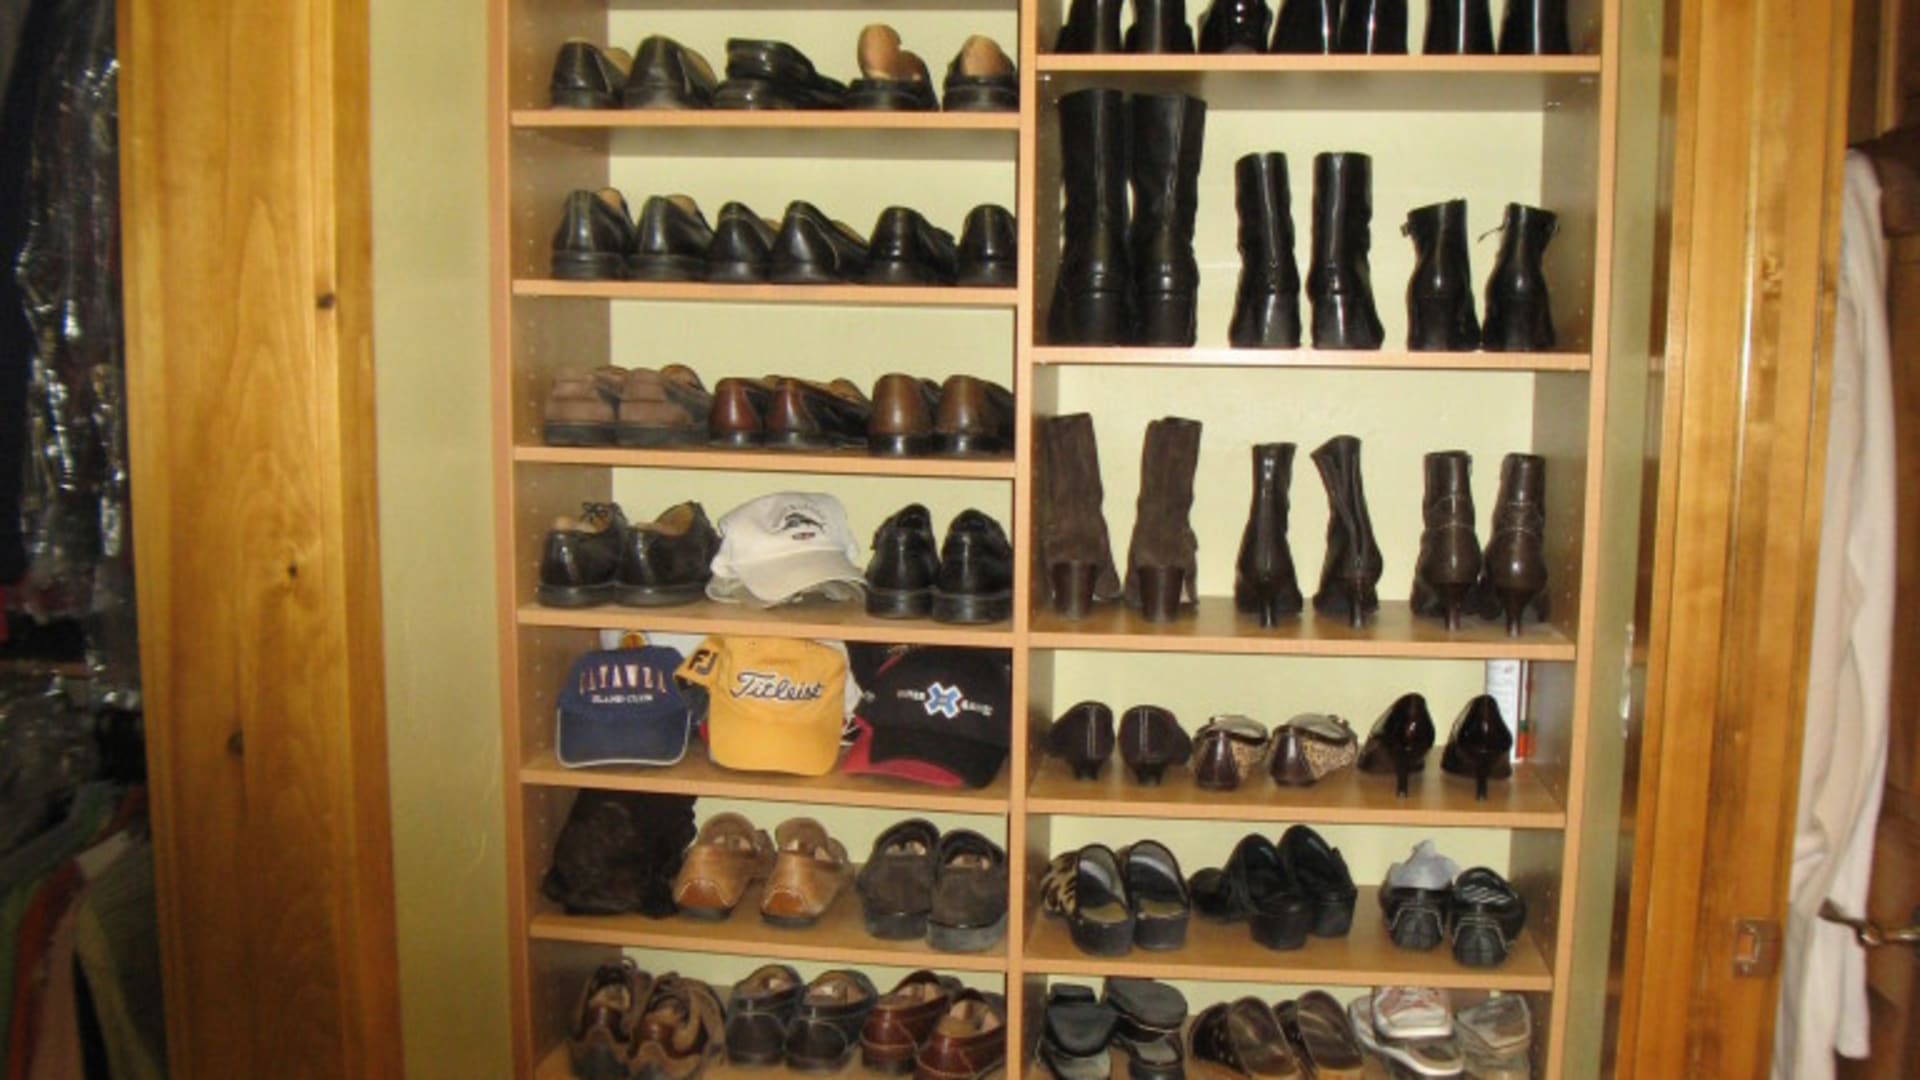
[1160,589]
[1270,604]
[1168,319]
[1514,602]
[1402,769]
[1453,599]
[1356,605]
[1072,588]
[1088,770]
[1150,773]
[1482,771]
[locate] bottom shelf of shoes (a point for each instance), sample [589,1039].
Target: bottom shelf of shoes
[1375,1069]
[555,1066]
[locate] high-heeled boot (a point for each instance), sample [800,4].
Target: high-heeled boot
[1458,28]
[1339,279]
[1449,562]
[1376,27]
[1263,579]
[1519,317]
[1236,26]
[1092,26]
[1516,557]
[1168,130]
[1535,28]
[1352,567]
[1399,741]
[1266,308]
[1307,26]
[1076,556]
[1092,294]
[1160,26]
[1479,745]
[1162,558]
[1440,294]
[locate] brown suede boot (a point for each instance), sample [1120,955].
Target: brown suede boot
[1161,559]
[1076,555]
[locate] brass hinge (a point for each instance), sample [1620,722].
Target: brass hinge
[1756,948]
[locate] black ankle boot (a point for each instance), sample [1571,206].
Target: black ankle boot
[1516,558]
[1458,28]
[1440,294]
[1307,26]
[1352,566]
[1339,281]
[1519,318]
[1160,26]
[1092,26]
[1162,566]
[1092,294]
[1236,26]
[1168,130]
[1449,563]
[1263,580]
[1535,28]
[1375,27]
[1266,309]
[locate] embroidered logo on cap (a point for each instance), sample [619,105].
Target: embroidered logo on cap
[943,700]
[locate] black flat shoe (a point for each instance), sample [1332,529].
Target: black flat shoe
[671,238]
[1321,875]
[668,75]
[741,242]
[1416,896]
[813,249]
[989,248]
[1158,892]
[904,249]
[595,237]
[1480,745]
[1086,889]
[1083,738]
[586,76]
[1399,741]
[775,75]
[1150,1016]
[1076,1032]
[1254,885]
[1151,739]
[1484,918]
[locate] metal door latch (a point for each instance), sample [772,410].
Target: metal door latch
[1868,933]
[1756,948]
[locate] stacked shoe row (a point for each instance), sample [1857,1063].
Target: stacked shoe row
[1428,899]
[1453,576]
[1454,27]
[598,239]
[1229,750]
[664,74]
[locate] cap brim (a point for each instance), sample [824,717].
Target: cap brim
[775,581]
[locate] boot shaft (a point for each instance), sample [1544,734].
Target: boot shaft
[1439,235]
[1522,504]
[1092,26]
[1093,145]
[1449,494]
[1342,213]
[1267,517]
[1307,26]
[1236,26]
[1374,27]
[1349,526]
[1168,132]
[1525,232]
[1169,457]
[1160,26]
[1535,28]
[1458,28]
[1266,219]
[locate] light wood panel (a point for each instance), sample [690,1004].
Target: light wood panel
[696,775]
[844,622]
[1384,359]
[761,120]
[832,463]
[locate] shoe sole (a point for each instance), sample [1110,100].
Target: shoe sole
[644,96]
[980,99]
[899,445]
[635,437]
[896,925]
[972,608]
[574,596]
[657,267]
[576,434]
[589,266]
[899,603]
[965,939]
[649,596]
[901,272]
[1160,935]
[576,98]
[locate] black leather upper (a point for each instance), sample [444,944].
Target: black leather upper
[903,552]
[989,247]
[976,557]
[590,226]
[654,558]
[584,78]
[812,248]
[741,242]
[666,228]
[666,74]
[574,557]
[1091,26]
[1236,26]
[905,245]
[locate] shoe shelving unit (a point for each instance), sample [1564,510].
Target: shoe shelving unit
[1536,130]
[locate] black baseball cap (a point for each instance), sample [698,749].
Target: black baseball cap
[936,716]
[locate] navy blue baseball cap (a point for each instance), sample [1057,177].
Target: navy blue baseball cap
[622,707]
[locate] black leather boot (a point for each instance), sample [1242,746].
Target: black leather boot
[1263,579]
[1516,558]
[1440,294]
[1160,26]
[1458,28]
[1307,26]
[1236,26]
[1519,317]
[1449,562]
[1352,568]
[1266,309]
[1535,28]
[1168,130]
[1070,527]
[1374,27]
[1092,293]
[1092,26]
[1161,558]
[1339,280]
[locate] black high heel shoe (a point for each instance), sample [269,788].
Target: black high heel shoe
[1399,741]
[1150,740]
[1479,745]
[1083,738]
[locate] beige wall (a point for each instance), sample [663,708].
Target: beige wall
[430,336]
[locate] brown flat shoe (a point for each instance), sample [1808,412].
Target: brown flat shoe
[1309,747]
[606,1020]
[1245,1038]
[579,409]
[1326,1038]
[680,1030]
[903,1018]
[970,1041]
[808,873]
[728,856]
[668,407]
[902,421]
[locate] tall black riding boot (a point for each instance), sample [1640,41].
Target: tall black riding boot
[1264,584]
[1162,557]
[1440,293]
[1339,281]
[1535,28]
[1516,557]
[1519,318]
[1266,309]
[1092,294]
[1458,28]
[1377,27]
[1449,562]
[1168,130]
[1236,26]
[1307,26]
[1352,567]
[1160,26]
[1092,26]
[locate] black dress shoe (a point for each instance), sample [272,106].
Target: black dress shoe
[980,78]
[594,239]
[813,249]
[1151,739]
[892,79]
[901,573]
[670,241]
[585,77]
[975,582]
[804,415]
[775,75]
[1399,741]
[1150,1016]
[1158,892]
[581,556]
[1254,885]
[1076,1032]
[1479,745]
[1236,26]
[827,1020]
[905,249]
[1414,898]
[1083,738]
[668,75]
[758,1010]
[1321,875]
[667,560]
[1484,918]
[741,241]
[989,248]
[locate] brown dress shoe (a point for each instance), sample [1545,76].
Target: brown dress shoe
[668,407]
[975,417]
[902,421]
[580,407]
[804,415]
[606,1020]
[680,1030]
[970,1041]
[737,417]
[808,873]
[901,1021]
[728,856]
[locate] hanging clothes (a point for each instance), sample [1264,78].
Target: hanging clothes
[1823,999]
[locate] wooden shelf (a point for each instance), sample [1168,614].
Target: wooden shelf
[699,292]
[1349,797]
[840,937]
[834,622]
[1383,360]
[1336,83]
[1224,952]
[696,775]
[764,119]
[1453,67]
[1215,627]
[830,463]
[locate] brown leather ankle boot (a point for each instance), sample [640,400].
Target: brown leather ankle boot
[1161,559]
[1076,555]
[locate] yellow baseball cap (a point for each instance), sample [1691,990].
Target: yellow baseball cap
[774,704]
